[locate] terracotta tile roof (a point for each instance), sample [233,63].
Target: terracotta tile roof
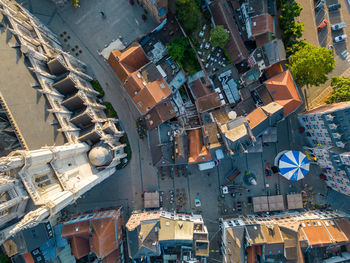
[316,233]
[344,225]
[208,102]
[335,231]
[197,151]
[199,89]
[256,117]
[146,93]
[284,91]
[114,257]
[80,229]
[80,247]
[262,40]
[100,238]
[160,113]
[28,258]
[261,24]
[103,240]
[274,70]
[125,62]
[235,45]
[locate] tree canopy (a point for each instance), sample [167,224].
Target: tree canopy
[311,64]
[219,36]
[188,13]
[341,90]
[177,48]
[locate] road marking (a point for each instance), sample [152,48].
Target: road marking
[84,16]
[137,22]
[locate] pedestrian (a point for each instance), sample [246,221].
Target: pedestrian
[103,14]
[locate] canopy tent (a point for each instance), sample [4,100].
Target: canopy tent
[294,165]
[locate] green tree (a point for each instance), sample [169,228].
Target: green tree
[288,13]
[294,31]
[219,36]
[188,13]
[341,90]
[311,64]
[177,48]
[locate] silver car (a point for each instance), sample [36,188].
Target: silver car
[338,26]
[340,38]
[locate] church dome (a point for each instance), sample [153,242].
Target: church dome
[99,156]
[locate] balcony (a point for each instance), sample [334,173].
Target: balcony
[329,117]
[333,126]
[336,135]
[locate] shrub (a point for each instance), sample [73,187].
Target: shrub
[109,110]
[96,86]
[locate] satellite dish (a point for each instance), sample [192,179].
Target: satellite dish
[232,115]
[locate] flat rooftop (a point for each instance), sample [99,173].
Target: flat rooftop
[27,106]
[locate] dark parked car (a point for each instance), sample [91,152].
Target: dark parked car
[334,7]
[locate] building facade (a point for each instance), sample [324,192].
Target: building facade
[310,236]
[327,130]
[164,236]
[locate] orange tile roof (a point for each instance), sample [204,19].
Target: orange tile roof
[28,258]
[199,89]
[256,117]
[80,229]
[274,70]
[125,62]
[283,90]
[208,102]
[316,233]
[263,24]
[197,150]
[335,231]
[79,246]
[146,94]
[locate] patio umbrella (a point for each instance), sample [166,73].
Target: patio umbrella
[294,165]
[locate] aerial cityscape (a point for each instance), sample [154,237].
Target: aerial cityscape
[174,131]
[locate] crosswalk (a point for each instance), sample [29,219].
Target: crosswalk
[345,54]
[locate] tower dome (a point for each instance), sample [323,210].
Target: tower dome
[100,155]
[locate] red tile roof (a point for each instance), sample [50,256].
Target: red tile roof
[197,150]
[28,258]
[100,238]
[114,257]
[146,94]
[199,89]
[79,246]
[261,24]
[160,113]
[235,45]
[208,102]
[274,70]
[284,91]
[125,62]
[80,229]
[103,240]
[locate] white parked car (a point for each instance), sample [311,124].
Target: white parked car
[338,26]
[340,38]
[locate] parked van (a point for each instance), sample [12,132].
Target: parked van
[208,165]
[338,26]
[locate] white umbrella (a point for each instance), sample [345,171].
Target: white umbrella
[294,165]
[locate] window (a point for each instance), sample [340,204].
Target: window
[323,126]
[312,119]
[308,126]
[327,135]
[319,118]
[319,134]
[315,127]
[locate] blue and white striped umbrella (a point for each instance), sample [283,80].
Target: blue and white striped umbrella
[294,165]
